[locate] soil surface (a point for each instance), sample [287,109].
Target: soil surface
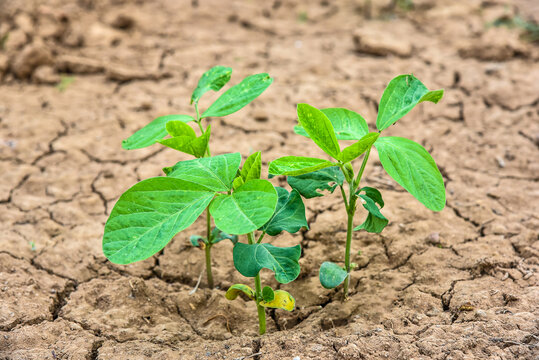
[79,76]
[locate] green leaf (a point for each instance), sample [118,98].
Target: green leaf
[283,261]
[252,167]
[297,165]
[195,146]
[348,125]
[218,235]
[149,214]
[355,150]
[409,164]
[373,193]
[179,128]
[239,95]
[237,182]
[282,300]
[309,184]
[249,207]
[331,275]
[196,239]
[213,79]
[375,222]
[400,96]
[319,128]
[289,214]
[153,132]
[216,173]
[268,294]
[233,291]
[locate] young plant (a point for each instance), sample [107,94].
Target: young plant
[183,138]
[407,162]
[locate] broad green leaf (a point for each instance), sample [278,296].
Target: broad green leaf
[249,207]
[409,164]
[196,240]
[218,235]
[233,291]
[195,146]
[319,128]
[282,300]
[331,275]
[216,172]
[355,150]
[348,125]
[179,128]
[309,184]
[400,96]
[375,222]
[297,165]
[239,95]
[213,79]
[252,167]
[289,214]
[153,132]
[268,294]
[149,214]
[283,261]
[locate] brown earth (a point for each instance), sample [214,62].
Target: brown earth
[458,284]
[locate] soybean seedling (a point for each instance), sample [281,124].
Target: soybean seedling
[407,162]
[184,139]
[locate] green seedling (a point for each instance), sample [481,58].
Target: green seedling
[407,162]
[174,132]
[250,258]
[64,83]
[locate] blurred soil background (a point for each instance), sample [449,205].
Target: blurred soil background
[78,76]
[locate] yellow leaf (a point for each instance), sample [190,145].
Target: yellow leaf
[235,290]
[283,300]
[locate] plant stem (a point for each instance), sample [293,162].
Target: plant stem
[258,295]
[208,249]
[360,174]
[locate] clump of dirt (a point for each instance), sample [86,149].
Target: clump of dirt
[77,77]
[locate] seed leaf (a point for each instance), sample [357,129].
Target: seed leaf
[239,95]
[409,164]
[348,125]
[268,294]
[309,184]
[283,261]
[196,239]
[297,165]
[249,207]
[331,275]
[149,214]
[282,300]
[319,128]
[355,150]
[218,235]
[233,291]
[375,222]
[289,214]
[400,96]
[179,128]
[213,79]
[252,167]
[216,173]
[153,132]
[195,146]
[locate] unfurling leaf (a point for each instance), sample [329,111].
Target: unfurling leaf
[409,164]
[233,291]
[347,124]
[282,300]
[268,294]
[331,275]
[213,79]
[355,150]
[289,214]
[252,167]
[400,96]
[239,95]
[309,184]
[297,165]
[153,132]
[195,146]
[218,235]
[197,239]
[283,261]
[249,207]
[319,128]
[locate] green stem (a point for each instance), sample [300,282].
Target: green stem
[258,295]
[208,249]
[360,174]
[261,237]
[198,120]
[349,230]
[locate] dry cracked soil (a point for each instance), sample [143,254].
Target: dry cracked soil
[77,77]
